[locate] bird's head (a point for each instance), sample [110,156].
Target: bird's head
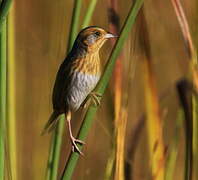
[93,38]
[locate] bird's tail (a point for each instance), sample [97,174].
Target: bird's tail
[51,124]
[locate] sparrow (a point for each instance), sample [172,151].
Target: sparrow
[77,77]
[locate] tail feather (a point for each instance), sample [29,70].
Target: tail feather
[51,124]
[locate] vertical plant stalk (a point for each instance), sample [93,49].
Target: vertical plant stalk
[11,110]
[110,165]
[185,99]
[114,26]
[3,82]
[55,149]
[57,141]
[119,117]
[50,158]
[193,75]
[173,149]
[4,7]
[74,23]
[153,122]
[195,134]
[89,13]
[86,125]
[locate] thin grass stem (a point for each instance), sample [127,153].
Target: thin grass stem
[4,8]
[89,13]
[3,83]
[11,96]
[57,147]
[74,23]
[50,159]
[173,150]
[119,120]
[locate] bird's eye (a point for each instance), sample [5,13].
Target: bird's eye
[97,33]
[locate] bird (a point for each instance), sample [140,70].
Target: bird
[77,77]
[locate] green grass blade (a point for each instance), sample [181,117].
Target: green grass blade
[3,79]
[11,96]
[57,147]
[74,23]
[4,8]
[195,134]
[50,159]
[172,156]
[89,13]
[86,125]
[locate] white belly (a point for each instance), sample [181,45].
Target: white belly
[81,86]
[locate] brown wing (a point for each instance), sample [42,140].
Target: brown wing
[63,79]
[62,83]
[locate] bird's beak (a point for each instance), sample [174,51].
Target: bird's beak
[109,35]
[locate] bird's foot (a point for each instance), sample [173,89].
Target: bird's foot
[75,147]
[93,98]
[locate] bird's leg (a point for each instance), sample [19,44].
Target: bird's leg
[74,141]
[94,98]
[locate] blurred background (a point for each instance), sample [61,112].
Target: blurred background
[39,42]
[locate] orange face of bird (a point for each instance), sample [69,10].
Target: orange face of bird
[94,38]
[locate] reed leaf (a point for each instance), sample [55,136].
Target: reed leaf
[86,125]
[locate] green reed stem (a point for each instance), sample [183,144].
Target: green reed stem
[89,13]
[86,125]
[74,23]
[4,7]
[3,79]
[50,159]
[172,156]
[57,141]
[11,96]
[195,134]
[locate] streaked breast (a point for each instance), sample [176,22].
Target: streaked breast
[81,85]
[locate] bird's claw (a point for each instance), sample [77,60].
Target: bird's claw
[75,147]
[94,98]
